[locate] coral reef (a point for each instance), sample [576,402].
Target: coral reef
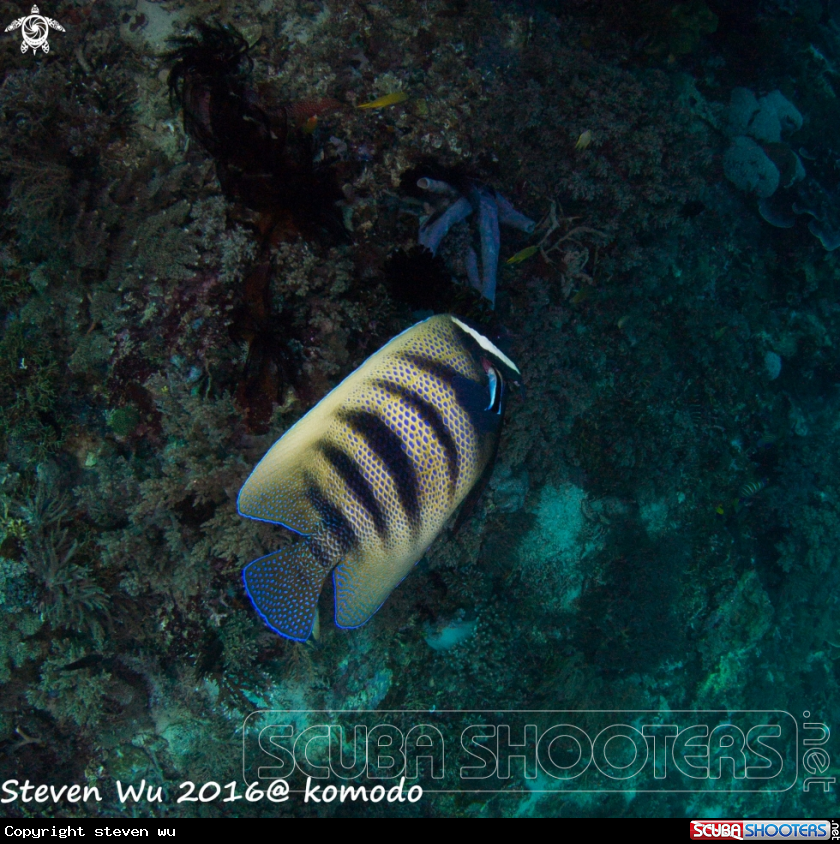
[823,207]
[763,169]
[660,533]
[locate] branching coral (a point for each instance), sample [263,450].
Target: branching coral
[16,644]
[70,596]
[29,375]
[177,525]
[70,696]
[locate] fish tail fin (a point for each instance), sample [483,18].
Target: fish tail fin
[284,589]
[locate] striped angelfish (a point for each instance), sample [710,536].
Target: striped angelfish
[371,474]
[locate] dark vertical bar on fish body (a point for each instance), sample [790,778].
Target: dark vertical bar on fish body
[469,394]
[389,448]
[322,552]
[357,483]
[336,527]
[441,371]
[433,420]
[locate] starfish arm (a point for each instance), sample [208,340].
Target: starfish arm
[434,232]
[472,269]
[509,216]
[436,186]
[488,230]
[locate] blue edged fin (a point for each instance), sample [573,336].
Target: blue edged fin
[360,590]
[284,589]
[275,491]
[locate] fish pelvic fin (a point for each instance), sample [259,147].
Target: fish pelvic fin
[284,588]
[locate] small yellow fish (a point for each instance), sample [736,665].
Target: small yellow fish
[523,254]
[387,100]
[584,140]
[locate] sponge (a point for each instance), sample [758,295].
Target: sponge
[764,119]
[749,169]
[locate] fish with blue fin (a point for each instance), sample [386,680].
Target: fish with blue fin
[368,478]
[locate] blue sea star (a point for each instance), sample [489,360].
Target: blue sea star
[493,209]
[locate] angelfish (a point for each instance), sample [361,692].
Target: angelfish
[369,477]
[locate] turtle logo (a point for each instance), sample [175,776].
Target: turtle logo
[35,29]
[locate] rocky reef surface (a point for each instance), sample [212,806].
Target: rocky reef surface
[661,530]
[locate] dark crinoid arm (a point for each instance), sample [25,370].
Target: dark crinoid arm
[216,54]
[259,163]
[209,81]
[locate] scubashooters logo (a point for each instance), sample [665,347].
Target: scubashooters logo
[35,30]
[816,759]
[318,753]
